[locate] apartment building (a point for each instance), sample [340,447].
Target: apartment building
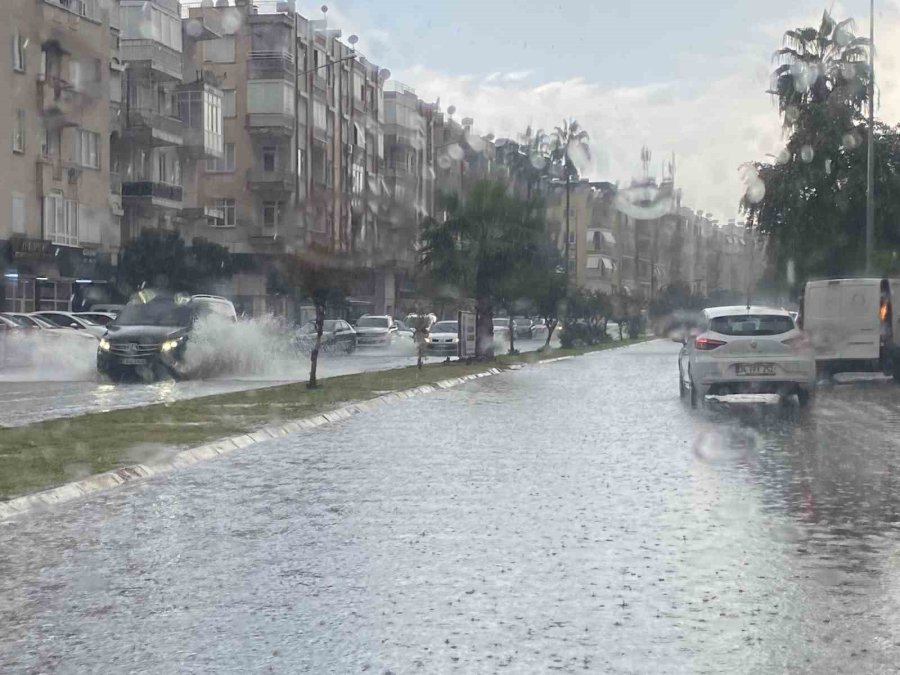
[619,242]
[57,70]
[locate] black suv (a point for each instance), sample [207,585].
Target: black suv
[147,340]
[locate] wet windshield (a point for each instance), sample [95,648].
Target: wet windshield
[373,322]
[157,312]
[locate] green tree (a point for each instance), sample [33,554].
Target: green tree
[479,247]
[568,148]
[326,278]
[161,259]
[810,201]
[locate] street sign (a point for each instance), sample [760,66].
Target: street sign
[467,336]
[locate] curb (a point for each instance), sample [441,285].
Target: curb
[131,474]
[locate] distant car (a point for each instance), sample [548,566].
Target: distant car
[148,339]
[404,331]
[443,339]
[523,327]
[746,350]
[337,334]
[375,331]
[107,309]
[100,318]
[31,322]
[73,321]
[501,329]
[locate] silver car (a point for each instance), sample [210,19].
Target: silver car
[746,349]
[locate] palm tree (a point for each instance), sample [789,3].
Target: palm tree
[828,65]
[567,140]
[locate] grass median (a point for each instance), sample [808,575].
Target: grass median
[50,453]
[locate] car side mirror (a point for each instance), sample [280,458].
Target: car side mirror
[74,325]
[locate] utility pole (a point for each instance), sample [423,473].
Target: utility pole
[870,164]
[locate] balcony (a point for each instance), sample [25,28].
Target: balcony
[149,193]
[153,55]
[278,181]
[152,129]
[271,124]
[270,65]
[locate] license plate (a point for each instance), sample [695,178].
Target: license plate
[756,369]
[132,362]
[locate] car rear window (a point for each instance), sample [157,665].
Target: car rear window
[752,324]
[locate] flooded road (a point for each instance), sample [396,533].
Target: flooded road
[28,395]
[572,517]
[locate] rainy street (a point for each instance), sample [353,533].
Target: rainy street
[573,516]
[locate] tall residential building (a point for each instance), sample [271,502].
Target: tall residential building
[57,70]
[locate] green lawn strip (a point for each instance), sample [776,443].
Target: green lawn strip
[45,454]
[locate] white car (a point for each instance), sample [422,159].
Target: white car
[443,339]
[73,321]
[746,350]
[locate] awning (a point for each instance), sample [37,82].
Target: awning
[599,237]
[601,262]
[608,263]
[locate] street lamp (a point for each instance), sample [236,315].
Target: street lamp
[870,159]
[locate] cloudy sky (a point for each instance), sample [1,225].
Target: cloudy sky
[687,78]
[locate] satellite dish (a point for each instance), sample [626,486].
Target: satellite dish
[451,110]
[353,39]
[324,9]
[385,74]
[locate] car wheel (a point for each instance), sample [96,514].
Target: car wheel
[682,390]
[895,368]
[804,397]
[695,395]
[351,346]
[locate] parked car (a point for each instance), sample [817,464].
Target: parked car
[746,350]
[107,309]
[73,321]
[31,322]
[443,339]
[100,318]
[501,330]
[337,334]
[375,331]
[853,325]
[148,339]
[523,327]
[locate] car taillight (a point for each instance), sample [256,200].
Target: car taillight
[883,312]
[705,344]
[799,342]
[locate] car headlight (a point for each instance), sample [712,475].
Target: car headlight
[169,345]
[104,345]
[428,339]
[455,340]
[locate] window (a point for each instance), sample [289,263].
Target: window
[161,173]
[219,51]
[319,116]
[223,165]
[301,162]
[359,179]
[87,149]
[18,214]
[227,206]
[271,214]
[229,102]
[269,156]
[50,143]
[61,220]
[265,96]
[76,75]
[18,47]
[19,132]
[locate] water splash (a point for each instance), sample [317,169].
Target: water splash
[47,356]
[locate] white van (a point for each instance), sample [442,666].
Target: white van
[852,326]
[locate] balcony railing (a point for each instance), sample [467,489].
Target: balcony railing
[161,58]
[279,180]
[146,188]
[270,64]
[271,123]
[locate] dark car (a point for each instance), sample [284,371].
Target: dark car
[337,334]
[148,339]
[523,327]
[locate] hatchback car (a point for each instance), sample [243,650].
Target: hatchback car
[735,350]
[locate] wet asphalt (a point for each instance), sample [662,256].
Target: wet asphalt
[572,517]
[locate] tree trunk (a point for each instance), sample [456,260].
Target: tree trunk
[568,188]
[484,324]
[512,335]
[314,355]
[551,326]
